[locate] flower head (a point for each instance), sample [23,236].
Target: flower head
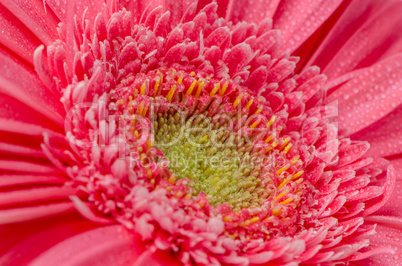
[196,130]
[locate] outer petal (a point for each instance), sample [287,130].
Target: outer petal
[25,241]
[60,8]
[379,37]
[248,10]
[109,245]
[28,90]
[299,19]
[384,135]
[16,37]
[341,27]
[371,95]
[389,237]
[34,16]
[15,215]
[393,206]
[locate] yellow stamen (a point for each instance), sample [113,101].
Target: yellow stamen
[145,111]
[190,90]
[275,143]
[271,137]
[276,212]
[180,79]
[238,100]
[148,144]
[259,110]
[249,103]
[199,90]
[295,159]
[285,142]
[255,124]
[149,173]
[287,148]
[215,89]
[141,108]
[286,201]
[298,181]
[156,86]
[170,94]
[228,218]
[224,87]
[282,194]
[271,121]
[142,89]
[286,167]
[120,102]
[245,223]
[172,179]
[192,73]
[136,134]
[254,219]
[298,174]
[284,182]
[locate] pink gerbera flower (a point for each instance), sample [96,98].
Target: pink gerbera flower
[198,133]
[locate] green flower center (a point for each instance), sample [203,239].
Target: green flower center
[219,162]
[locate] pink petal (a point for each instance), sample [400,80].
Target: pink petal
[28,129]
[34,16]
[370,42]
[40,237]
[28,90]
[108,245]
[370,96]
[17,180]
[388,237]
[299,19]
[249,11]
[15,215]
[347,21]
[35,195]
[16,37]
[27,167]
[387,187]
[157,258]
[353,152]
[89,212]
[14,112]
[393,206]
[16,233]
[384,135]
[20,150]
[60,8]
[385,220]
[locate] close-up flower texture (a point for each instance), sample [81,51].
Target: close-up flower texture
[184,132]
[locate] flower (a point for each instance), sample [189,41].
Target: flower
[200,133]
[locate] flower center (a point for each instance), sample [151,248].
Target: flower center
[215,134]
[218,161]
